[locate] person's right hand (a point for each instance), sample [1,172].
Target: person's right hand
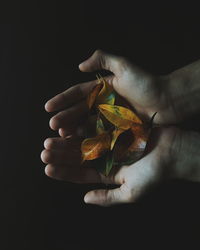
[145,92]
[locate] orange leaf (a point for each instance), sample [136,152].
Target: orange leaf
[93,148]
[121,117]
[106,95]
[137,147]
[122,144]
[115,135]
[93,95]
[141,137]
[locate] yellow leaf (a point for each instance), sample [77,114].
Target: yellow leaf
[115,135]
[121,117]
[106,95]
[93,148]
[93,95]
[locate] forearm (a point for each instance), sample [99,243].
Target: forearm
[183,88]
[187,159]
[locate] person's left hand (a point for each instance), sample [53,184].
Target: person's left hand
[63,157]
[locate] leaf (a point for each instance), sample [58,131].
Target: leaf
[103,164]
[152,118]
[115,135]
[100,127]
[138,145]
[93,148]
[99,164]
[121,117]
[93,95]
[109,162]
[122,144]
[106,95]
[141,137]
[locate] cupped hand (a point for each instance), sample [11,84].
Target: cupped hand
[63,158]
[145,92]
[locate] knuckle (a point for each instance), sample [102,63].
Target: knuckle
[122,62]
[100,55]
[98,52]
[128,196]
[79,91]
[106,198]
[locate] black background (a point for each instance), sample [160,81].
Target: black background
[41,45]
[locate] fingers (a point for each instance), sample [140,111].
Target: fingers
[72,174]
[63,157]
[70,96]
[106,197]
[60,157]
[58,143]
[101,60]
[61,151]
[70,117]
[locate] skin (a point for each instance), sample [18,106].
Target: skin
[170,151]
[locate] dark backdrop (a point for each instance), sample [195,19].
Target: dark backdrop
[41,45]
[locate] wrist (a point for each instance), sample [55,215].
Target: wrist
[167,113]
[169,149]
[181,89]
[186,154]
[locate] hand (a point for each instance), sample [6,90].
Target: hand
[145,92]
[63,158]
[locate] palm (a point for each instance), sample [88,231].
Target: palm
[133,180]
[144,92]
[63,157]
[63,154]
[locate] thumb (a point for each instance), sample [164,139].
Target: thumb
[101,60]
[105,197]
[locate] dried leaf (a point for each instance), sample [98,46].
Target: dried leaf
[121,117]
[151,121]
[137,147]
[115,135]
[93,95]
[100,127]
[103,164]
[99,164]
[106,95]
[109,163]
[93,148]
[121,146]
[101,93]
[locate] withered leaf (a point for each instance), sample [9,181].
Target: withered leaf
[109,162]
[99,126]
[141,135]
[119,116]
[101,93]
[95,147]
[106,95]
[93,95]
[137,147]
[115,135]
[121,135]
